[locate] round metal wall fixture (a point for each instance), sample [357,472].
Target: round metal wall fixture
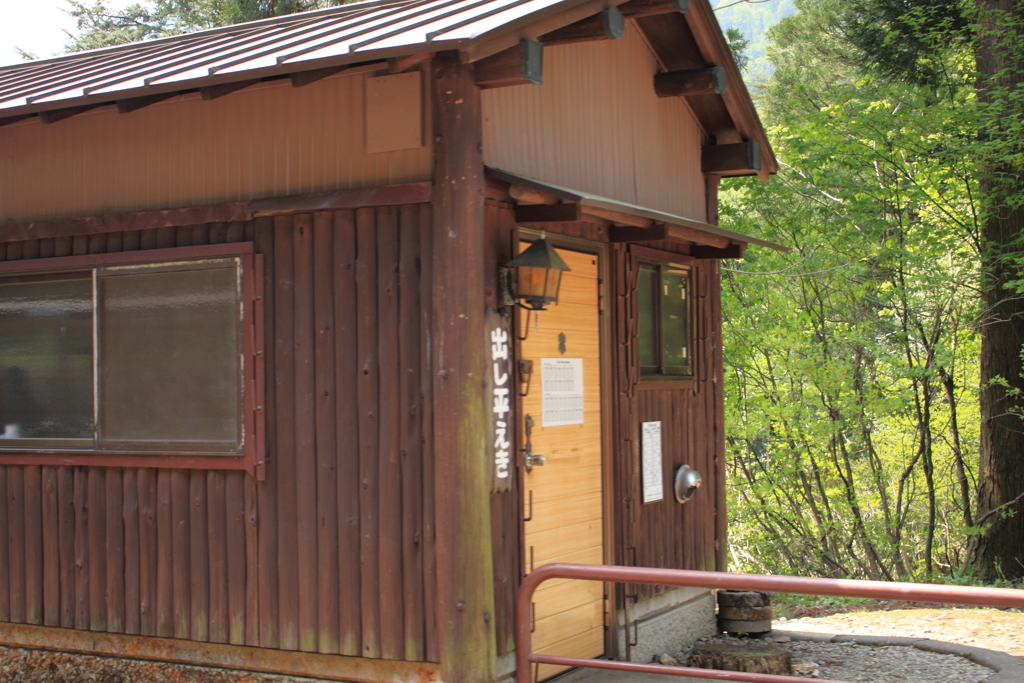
[685,482]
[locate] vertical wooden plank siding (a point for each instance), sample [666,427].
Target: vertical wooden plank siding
[114,499]
[305,434]
[346,433]
[334,551]
[33,537]
[51,548]
[132,553]
[217,541]
[368,391]
[328,621]
[426,228]
[66,542]
[16,541]
[266,491]
[390,477]
[410,426]
[287,512]
[5,566]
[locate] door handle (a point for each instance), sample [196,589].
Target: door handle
[533,461]
[529,459]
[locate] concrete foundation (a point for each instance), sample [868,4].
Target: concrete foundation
[668,623]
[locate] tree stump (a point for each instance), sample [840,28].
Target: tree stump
[744,611]
[747,657]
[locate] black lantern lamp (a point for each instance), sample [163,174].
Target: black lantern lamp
[538,275]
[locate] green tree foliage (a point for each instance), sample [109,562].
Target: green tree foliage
[751,19]
[852,361]
[101,26]
[913,41]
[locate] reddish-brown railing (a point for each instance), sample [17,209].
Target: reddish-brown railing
[918,592]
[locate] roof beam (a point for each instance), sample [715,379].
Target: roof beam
[647,8]
[517,65]
[136,103]
[731,251]
[608,24]
[55,115]
[7,120]
[212,92]
[741,158]
[546,24]
[548,213]
[686,82]
[397,65]
[525,194]
[303,78]
[666,231]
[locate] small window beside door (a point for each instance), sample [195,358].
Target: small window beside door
[663,300]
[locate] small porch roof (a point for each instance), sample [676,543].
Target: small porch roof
[586,199]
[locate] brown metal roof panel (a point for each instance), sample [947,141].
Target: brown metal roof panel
[134,75]
[352,30]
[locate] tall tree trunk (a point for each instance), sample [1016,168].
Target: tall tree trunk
[999,552]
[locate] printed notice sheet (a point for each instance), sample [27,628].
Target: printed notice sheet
[561,391]
[651,441]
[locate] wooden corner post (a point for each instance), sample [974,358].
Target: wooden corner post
[465,576]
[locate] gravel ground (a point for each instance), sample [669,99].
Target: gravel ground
[991,629]
[38,666]
[870,664]
[889,664]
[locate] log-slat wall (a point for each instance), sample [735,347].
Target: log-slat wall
[665,533]
[293,562]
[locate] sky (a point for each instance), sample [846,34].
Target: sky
[35,26]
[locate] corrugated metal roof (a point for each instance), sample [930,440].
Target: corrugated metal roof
[588,199]
[348,34]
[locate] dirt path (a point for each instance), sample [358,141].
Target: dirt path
[986,628]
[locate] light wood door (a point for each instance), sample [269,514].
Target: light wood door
[567,519]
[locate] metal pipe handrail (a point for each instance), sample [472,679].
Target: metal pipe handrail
[918,592]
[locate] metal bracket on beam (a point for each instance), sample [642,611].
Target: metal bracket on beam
[517,65]
[741,158]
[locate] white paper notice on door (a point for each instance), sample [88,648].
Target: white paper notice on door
[654,489]
[561,391]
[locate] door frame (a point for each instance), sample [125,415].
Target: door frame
[602,251]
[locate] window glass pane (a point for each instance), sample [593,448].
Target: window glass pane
[675,320]
[646,297]
[46,357]
[170,345]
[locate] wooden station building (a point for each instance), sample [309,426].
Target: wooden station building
[265,402]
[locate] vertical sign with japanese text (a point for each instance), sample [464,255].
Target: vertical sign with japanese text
[501,401]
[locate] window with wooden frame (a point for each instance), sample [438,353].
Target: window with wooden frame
[664,292]
[146,359]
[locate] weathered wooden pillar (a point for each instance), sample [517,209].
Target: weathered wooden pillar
[462,478]
[711,184]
